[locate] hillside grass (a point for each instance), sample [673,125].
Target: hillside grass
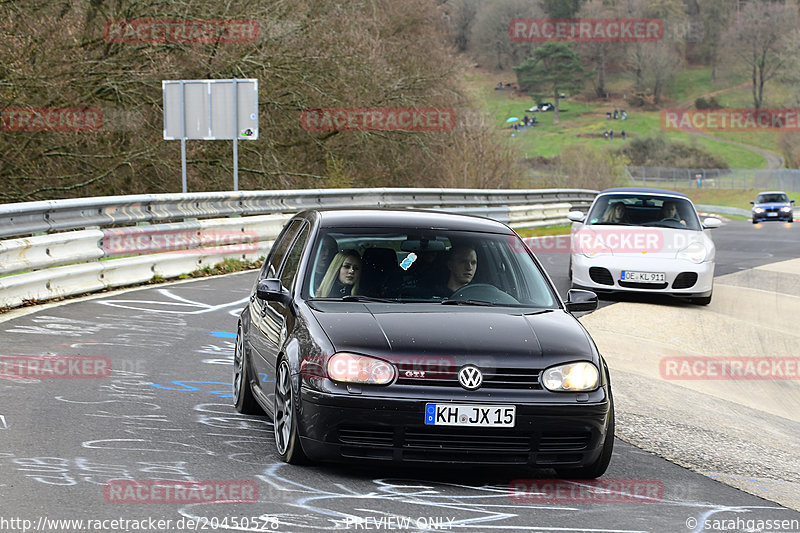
[583,123]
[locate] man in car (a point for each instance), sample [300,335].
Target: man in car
[462,262]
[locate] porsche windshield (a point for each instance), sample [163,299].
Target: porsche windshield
[644,210]
[446,267]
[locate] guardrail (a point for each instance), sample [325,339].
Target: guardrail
[86,245]
[783,179]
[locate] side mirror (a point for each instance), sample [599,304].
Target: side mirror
[579,300]
[791,202]
[576,216]
[752,203]
[711,223]
[271,290]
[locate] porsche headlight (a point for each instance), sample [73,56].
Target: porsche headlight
[353,368]
[695,252]
[571,377]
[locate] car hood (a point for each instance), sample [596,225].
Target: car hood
[773,205]
[638,241]
[464,334]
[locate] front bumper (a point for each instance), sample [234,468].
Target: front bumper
[567,433]
[603,274]
[782,217]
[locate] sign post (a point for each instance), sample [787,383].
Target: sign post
[210,110]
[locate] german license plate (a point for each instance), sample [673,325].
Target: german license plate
[772,214]
[643,277]
[449,414]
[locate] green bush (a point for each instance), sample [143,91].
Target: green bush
[658,152]
[711,103]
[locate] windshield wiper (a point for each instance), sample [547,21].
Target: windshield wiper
[609,223]
[467,302]
[357,298]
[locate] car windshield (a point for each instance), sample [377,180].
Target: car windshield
[430,266]
[641,209]
[768,198]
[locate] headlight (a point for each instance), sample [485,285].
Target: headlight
[695,252]
[571,377]
[786,209]
[589,243]
[758,210]
[352,368]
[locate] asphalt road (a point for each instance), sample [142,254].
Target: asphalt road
[164,413]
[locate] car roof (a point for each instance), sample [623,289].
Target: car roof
[644,190]
[771,192]
[406,218]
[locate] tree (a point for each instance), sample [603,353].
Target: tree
[654,64]
[758,40]
[599,54]
[460,15]
[715,17]
[554,67]
[489,35]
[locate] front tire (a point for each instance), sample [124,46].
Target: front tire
[243,398]
[599,467]
[704,300]
[287,439]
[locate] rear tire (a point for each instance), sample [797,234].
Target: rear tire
[243,398]
[287,438]
[599,467]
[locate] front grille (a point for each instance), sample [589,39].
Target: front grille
[562,449]
[367,436]
[493,378]
[367,443]
[637,285]
[601,275]
[466,445]
[433,444]
[684,280]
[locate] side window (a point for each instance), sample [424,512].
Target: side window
[293,259]
[279,249]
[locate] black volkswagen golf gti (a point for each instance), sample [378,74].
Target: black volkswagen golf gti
[424,338]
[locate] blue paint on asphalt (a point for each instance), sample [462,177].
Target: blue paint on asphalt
[184,387]
[223,334]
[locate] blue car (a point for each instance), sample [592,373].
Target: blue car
[773,205]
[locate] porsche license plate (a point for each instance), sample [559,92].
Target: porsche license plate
[643,277]
[448,414]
